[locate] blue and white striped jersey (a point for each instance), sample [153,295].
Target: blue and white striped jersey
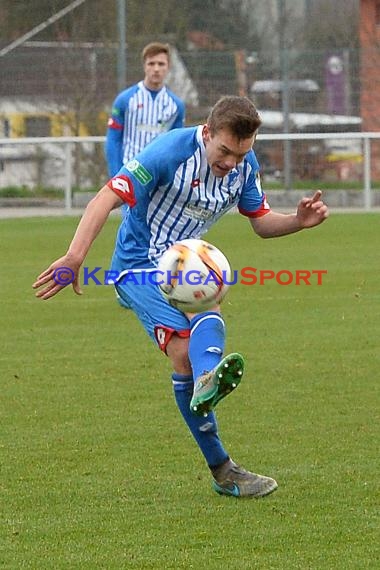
[138,116]
[177,198]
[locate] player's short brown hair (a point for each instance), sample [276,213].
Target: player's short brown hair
[236,114]
[154,48]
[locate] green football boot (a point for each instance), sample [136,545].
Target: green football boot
[213,386]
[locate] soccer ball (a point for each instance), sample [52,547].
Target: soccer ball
[193,275]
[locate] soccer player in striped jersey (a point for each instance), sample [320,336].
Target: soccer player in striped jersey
[143,111]
[176,188]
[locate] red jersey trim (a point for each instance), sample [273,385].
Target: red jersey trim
[262,211]
[123,187]
[163,335]
[112,124]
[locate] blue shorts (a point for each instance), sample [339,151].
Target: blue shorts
[135,291]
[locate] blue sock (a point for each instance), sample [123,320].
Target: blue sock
[206,345]
[204,430]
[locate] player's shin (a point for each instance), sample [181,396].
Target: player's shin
[203,429]
[215,377]
[207,339]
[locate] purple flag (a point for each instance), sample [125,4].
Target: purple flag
[335,84]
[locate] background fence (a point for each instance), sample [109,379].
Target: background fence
[83,77]
[338,163]
[55,98]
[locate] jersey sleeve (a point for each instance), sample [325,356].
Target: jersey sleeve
[114,135]
[180,118]
[140,175]
[149,170]
[116,118]
[122,185]
[253,202]
[114,150]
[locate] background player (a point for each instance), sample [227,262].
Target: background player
[143,111]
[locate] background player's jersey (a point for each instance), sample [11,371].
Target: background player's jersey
[138,116]
[178,198]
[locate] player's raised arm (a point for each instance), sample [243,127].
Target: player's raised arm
[310,212]
[65,270]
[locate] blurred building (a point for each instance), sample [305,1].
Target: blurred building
[370,64]
[370,75]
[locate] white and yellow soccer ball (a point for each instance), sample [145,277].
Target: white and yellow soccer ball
[193,275]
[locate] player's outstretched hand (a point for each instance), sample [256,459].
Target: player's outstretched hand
[61,273]
[312,211]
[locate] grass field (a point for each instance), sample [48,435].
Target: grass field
[97,470]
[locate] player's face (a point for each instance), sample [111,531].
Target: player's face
[224,151]
[156,69]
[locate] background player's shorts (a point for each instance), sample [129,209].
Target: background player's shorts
[135,291]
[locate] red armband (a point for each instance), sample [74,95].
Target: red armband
[123,187]
[264,209]
[112,124]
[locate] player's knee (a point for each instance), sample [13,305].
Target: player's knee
[177,351]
